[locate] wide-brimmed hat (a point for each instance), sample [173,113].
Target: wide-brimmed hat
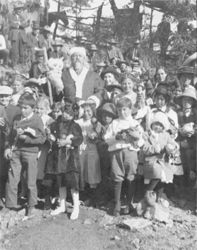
[111,87]
[160,117]
[185,70]
[190,59]
[101,64]
[35,25]
[113,41]
[162,89]
[66,36]
[111,70]
[121,62]
[19,6]
[39,52]
[129,76]
[108,108]
[47,29]
[93,47]
[135,63]
[188,92]
[5,90]
[57,43]
[33,82]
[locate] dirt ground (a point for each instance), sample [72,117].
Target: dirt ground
[96,230]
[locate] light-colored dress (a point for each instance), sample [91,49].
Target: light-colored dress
[89,157]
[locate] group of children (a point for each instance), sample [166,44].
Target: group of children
[75,144]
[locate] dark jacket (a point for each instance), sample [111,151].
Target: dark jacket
[32,142]
[64,159]
[4,130]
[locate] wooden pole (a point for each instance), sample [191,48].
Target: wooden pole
[150,30]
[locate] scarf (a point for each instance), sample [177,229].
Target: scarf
[79,80]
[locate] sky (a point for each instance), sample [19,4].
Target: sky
[107,12]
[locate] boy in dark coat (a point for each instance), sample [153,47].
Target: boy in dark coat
[22,148]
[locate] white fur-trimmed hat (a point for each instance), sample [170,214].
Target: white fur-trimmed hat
[5,90]
[78,50]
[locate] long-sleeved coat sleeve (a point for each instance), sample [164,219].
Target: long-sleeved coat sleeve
[77,133]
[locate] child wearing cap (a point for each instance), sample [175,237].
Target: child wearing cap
[187,118]
[22,148]
[63,160]
[124,138]
[106,114]
[38,68]
[111,89]
[5,100]
[158,144]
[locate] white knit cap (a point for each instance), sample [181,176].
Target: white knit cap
[78,50]
[161,118]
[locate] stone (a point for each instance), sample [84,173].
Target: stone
[106,220]
[87,222]
[6,242]
[161,213]
[136,243]
[1,235]
[115,238]
[11,222]
[136,223]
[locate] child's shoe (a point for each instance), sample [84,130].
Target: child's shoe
[29,213]
[47,204]
[60,209]
[75,213]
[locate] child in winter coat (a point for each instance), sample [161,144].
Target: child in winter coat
[157,146]
[63,159]
[123,137]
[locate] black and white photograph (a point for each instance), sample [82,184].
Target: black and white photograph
[98,125]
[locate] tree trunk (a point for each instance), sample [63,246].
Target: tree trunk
[56,25]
